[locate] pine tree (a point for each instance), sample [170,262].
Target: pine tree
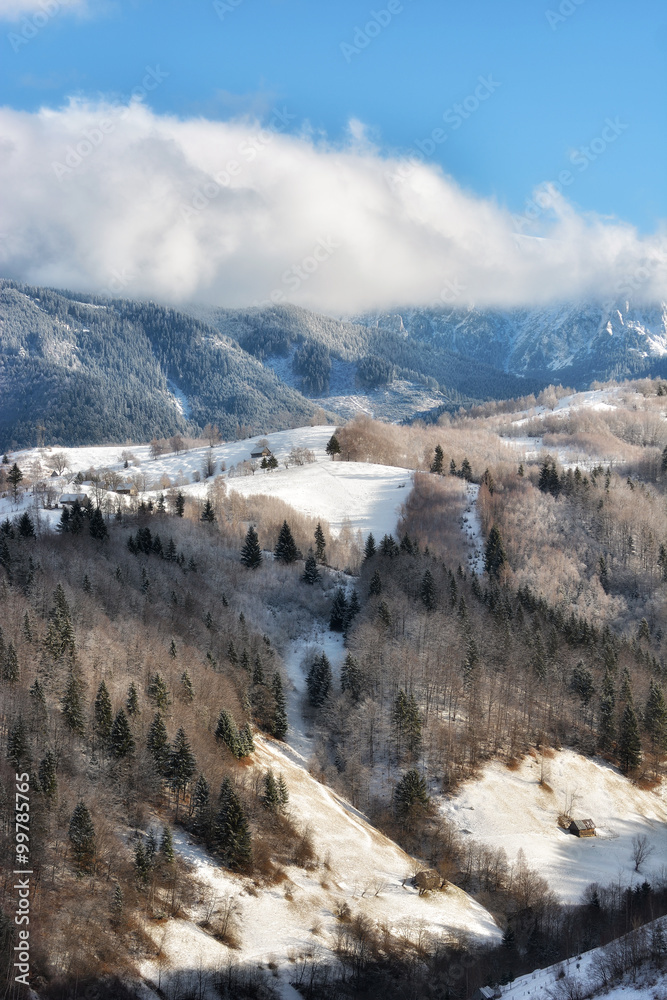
[318,680]
[157,743]
[103,714]
[285,550]
[14,477]
[311,574]
[279,720]
[48,781]
[208,513]
[388,546]
[655,718]
[351,678]
[466,471]
[375,587]
[142,865]
[246,744]
[121,740]
[60,637]
[407,724]
[495,557]
[320,544]
[227,731]
[258,670]
[10,664]
[26,628]
[25,526]
[411,795]
[251,553]
[438,459]
[200,805]
[117,901]
[283,790]
[170,551]
[82,837]
[333,447]
[427,590]
[179,504]
[181,765]
[369,547]
[132,702]
[18,743]
[187,690]
[384,614]
[232,834]
[97,526]
[338,614]
[71,705]
[629,744]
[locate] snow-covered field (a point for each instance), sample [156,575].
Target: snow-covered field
[511,809]
[366,497]
[357,866]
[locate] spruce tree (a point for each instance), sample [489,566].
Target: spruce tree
[71,705]
[318,680]
[25,526]
[375,586]
[311,574]
[607,713]
[338,614]
[63,524]
[103,714]
[351,678]
[285,550]
[179,504]
[157,743]
[411,795]
[227,731]
[18,744]
[82,837]
[142,864]
[257,670]
[10,664]
[279,720]
[187,690]
[333,447]
[271,794]
[283,790]
[320,544]
[466,471]
[181,765]
[97,525]
[369,547]
[655,719]
[46,773]
[427,591]
[158,692]
[166,850]
[629,743]
[208,513]
[495,557]
[232,834]
[251,553]
[121,740]
[14,477]
[132,702]
[200,805]
[438,459]
[26,628]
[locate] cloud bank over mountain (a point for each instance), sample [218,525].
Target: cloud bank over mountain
[116,199]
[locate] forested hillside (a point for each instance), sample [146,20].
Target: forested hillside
[94,371]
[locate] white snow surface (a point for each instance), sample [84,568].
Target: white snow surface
[360,495]
[356,865]
[510,809]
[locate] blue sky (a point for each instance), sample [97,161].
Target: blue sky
[558,82]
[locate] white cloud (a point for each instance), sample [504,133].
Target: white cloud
[229,213]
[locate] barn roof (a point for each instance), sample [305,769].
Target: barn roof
[583,824]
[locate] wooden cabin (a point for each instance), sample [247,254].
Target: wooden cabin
[486,993]
[263,453]
[582,827]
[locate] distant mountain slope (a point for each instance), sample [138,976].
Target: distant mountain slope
[77,370]
[278,332]
[570,343]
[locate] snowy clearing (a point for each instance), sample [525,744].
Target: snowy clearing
[511,809]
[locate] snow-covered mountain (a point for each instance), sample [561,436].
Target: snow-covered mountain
[577,342]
